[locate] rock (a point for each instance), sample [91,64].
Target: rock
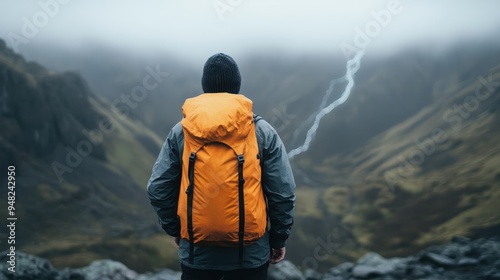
[69,274]
[342,269]
[165,274]
[373,265]
[490,257]
[460,239]
[468,262]
[452,251]
[28,267]
[372,259]
[389,267]
[311,274]
[493,274]
[285,270]
[366,272]
[420,271]
[473,259]
[329,277]
[437,259]
[107,270]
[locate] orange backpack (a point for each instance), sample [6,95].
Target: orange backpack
[221,202]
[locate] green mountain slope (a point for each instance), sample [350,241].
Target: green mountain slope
[430,176]
[81,170]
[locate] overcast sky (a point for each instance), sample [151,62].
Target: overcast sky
[197,28]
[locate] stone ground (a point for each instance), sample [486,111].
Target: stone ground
[462,258]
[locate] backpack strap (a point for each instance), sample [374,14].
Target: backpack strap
[256,118]
[241,202]
[241,199]
[189,192]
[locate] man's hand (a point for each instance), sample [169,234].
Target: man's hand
[177,240]
[277,255]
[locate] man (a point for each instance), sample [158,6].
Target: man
[222,115]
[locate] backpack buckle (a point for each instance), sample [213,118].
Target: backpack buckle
[241,159]
[192,157]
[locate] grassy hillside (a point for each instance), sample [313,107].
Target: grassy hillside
[81,171]
[423,180]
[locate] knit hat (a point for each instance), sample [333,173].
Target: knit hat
[221,74]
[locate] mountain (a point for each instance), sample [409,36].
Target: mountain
[410,160]
[116,75]
[81,170]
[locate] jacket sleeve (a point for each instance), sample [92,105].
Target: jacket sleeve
[164,184]
[278,184]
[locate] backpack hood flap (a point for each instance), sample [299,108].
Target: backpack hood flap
[218,117]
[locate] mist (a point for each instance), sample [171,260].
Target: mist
[193,30]
[405,156]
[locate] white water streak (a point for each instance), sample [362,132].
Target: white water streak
[323,104]
[351,68]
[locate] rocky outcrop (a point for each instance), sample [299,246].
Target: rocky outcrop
[29,267]
[460,259]
[40,110]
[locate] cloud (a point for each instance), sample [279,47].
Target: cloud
[194,28]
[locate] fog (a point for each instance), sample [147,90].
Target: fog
[193,29]
[410,160]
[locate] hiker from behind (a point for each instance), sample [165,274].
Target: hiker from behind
[222,174]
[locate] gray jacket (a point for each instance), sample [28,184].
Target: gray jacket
[279,189]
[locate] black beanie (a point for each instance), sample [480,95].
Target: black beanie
[221,74]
